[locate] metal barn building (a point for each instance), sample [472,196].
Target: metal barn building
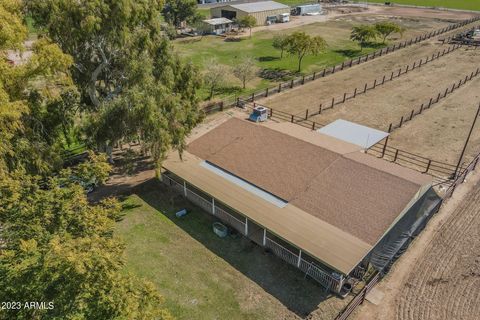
[319,203]
[261,11]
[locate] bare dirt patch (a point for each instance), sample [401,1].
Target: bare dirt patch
[440,133]
[388,103]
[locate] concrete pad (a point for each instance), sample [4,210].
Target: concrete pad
[375,296]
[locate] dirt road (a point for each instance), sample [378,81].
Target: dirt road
[438,277]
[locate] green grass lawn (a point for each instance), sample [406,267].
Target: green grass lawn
[204,277]
[454,4]
[259,47]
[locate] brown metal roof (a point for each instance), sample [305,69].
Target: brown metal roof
[327,182]
[334,247]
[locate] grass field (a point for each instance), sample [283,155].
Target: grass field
[259,47]
[204,277]
[454,4]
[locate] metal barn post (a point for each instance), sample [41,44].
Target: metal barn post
[264,237]
[213,206]
[246,226]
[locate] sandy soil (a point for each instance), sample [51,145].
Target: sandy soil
[388,103]
[322,90]
[438,277]
[444,127]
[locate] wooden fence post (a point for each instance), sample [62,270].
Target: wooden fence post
[383,81]
[291,118]
[279,87]
[303,80]
[343,65]
[344,97]
[411,114]
[291,84]
[399,72]
[333,69]
[313,78]
[446,91]
[420,63]
[428,165]
[333,101]
[355,93]
[375,84]
[391,77]
[408,68]
[401,122]
[438,98]
[421,109]
[253,96]
[313,126]
[320,109]
[306,114]
[396,156]
[271,112]
[414,64]
[365,89]
[430,103]
[266,92]
[323,74]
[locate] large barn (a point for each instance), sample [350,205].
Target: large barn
[317,202]
[262,11]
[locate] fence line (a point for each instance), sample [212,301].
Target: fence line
[310,269]
[359,298]
[434,100]
[331,103]
[336,68]
[462,177]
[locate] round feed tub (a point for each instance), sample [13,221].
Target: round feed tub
[220,229]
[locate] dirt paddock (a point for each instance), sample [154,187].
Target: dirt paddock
[438,134]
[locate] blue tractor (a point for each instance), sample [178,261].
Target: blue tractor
[259,114]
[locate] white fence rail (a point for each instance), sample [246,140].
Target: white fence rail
[310,269]
[206,205]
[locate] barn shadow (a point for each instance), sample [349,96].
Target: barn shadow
[284,282]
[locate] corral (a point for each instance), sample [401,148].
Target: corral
[409,93]
[335,210]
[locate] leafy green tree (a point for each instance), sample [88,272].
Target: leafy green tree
[247,22]
[245,70]
[386,28]
[363,34]
[130,81]
[177,11]
[280,42]
[56,247]
[36,98]
[301,44]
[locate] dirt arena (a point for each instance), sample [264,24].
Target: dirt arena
[438,134]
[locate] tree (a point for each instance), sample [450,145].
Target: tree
[132,85]
[301,44]
[280,42]
[247,22]
[177,11]
[60,249]
[386,28]
[213,75]
[36,98]
[363,34]
[245,70]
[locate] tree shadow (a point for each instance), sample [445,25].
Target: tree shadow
[228,91]
[276,74]
[268,58]
[349,53]
[283,281]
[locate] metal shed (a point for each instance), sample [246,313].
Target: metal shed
[261,11]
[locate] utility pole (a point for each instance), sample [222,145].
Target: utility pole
[466,142]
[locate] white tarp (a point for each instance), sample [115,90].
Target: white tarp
[354,133]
